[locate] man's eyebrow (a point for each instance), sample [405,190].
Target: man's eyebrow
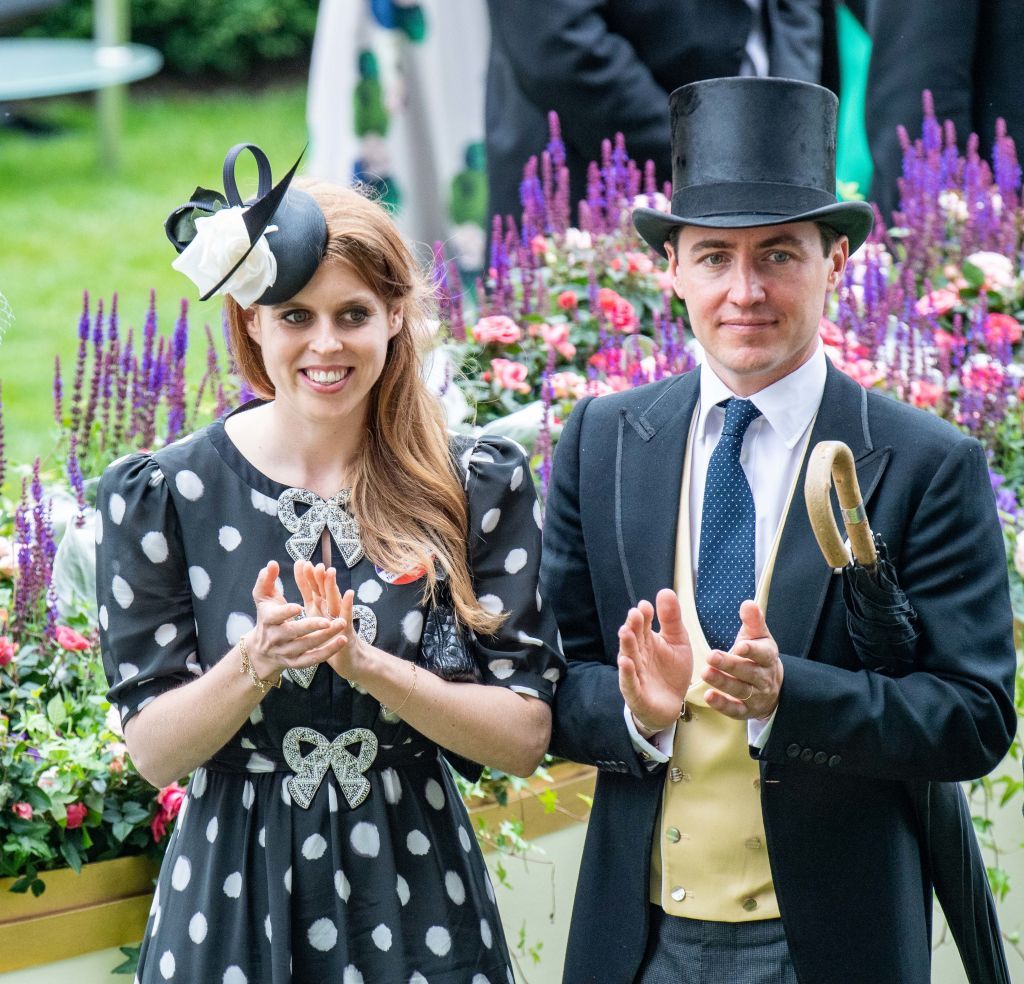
[782,239]
[704,244]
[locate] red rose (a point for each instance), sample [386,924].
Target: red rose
[7,650]
[77,812]
[68,638]
[170,798]
[158,826]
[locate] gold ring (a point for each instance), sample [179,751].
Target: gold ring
[751,694]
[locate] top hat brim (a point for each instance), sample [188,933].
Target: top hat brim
[854,220]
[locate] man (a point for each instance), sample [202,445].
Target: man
[797,858]
[607,66]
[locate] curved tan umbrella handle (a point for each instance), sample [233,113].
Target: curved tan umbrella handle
[832,461]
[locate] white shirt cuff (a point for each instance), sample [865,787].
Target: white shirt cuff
[657,748]
[759,730]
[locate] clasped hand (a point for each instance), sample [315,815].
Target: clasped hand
[291,636]
[655,667]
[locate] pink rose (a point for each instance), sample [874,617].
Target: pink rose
[938,302]
[539,245]
[7,650]
[158,826]
[567,385]
[638,263]
[510,375]
[68,638]
[77,812]
[944,341]
[1001,329]
[567,300]
[557,337]
[170,798]
[22,810]
[863,371]
[619,311]
[497,329]
[924,393]
[831,333]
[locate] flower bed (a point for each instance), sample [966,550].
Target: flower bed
[929,312]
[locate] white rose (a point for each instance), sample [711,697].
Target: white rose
[998,269]
[660,202]
[577,239]
[221,240]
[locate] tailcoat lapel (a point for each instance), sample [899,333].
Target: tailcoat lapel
[648,477]
[801,578]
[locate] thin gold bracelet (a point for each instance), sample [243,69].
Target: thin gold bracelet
[385,710]
[257,681]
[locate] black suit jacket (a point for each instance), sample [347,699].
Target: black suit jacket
[853,887]
[607,66]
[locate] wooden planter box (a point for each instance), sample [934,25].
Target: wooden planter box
[105,906]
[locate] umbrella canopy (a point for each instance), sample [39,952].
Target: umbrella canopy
[884,630]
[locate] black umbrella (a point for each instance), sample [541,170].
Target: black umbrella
[883,629]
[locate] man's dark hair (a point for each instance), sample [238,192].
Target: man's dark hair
[829,237]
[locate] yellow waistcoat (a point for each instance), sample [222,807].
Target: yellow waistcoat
[709,859]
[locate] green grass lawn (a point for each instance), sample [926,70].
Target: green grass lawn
[66,226]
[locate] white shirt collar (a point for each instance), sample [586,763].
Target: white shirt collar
[788,405]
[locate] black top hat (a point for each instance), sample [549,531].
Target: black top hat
[297,242]
[753,152]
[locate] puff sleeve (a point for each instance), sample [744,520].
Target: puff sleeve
[504,558]
[147,626]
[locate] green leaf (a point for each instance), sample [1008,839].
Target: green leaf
[974,276]
[131,964]
[38,887]
[71,855]
[55,711]
[549,800]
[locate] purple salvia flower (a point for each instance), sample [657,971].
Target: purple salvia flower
[58,393]
[556,146]
[74,472]
[83,351]
[95,380]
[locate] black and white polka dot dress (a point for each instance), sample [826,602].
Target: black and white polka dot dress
[256,886]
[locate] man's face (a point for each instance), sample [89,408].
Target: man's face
[755,297]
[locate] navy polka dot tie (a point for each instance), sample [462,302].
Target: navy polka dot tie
[725,564]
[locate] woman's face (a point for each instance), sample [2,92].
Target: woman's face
[325,347]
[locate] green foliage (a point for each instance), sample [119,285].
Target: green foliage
[229,38]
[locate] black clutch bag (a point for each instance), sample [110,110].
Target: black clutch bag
[443,649]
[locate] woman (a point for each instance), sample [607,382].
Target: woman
[322,838]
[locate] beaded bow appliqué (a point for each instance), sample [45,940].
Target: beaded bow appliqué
[348,768]
[308,528]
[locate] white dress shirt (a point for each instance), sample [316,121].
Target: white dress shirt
[772,453]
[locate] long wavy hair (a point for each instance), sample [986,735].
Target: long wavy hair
[406,492]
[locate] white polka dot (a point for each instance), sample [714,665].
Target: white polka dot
[200,582]
[256,714]
[529,640]
[479,979]
[351,976]
[540,601]
[332,799]
[264,503]
[181,874]
[197,928]
[365,839]
[246,743]
[156,922]
[165,633]
[435,794]
[154,546]
[189,484]
[323,934]
[490,520]
[229,538]
[485,933]
[116,507]
[502,668]
[234,975]
[259,763]
[538,517]
[127,670]
[98,527]
[198,786]
[392,785]
[248,794]
[492,604]
[285,795]
[381,937]
[313,847]
[418,978]
[412,626]
[262,837]
[211,829]
[464,840]
[516,560]
[122,591]
[369,591]
[402,887]
[439,941]
[489,887]
[167,965]
[454,887]
[342,885]
[238,624]
[233,885]
[417,843]
[517,478]
[268,929]
[104,617]
[288,880]
[553,675]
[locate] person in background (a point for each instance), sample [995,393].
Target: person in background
[322,837]
[751,820]
[607,67]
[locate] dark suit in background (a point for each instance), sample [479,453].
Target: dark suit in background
[607,66]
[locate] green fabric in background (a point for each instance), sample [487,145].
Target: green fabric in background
[853,163]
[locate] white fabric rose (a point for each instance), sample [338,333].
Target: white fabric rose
[221,240]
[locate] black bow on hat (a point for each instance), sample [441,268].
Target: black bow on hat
[753,152]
